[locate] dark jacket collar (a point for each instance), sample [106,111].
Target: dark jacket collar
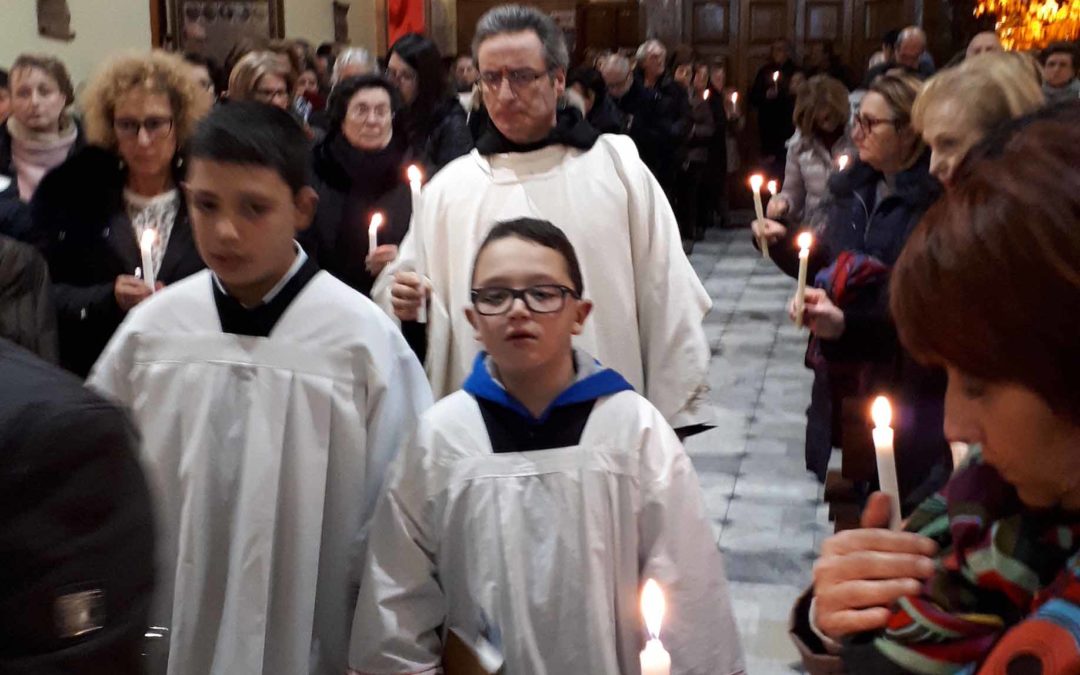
[914,185]
[593,381]
[570,129]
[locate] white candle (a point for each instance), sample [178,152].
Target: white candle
[881,413]
[804,241]
[415,180]
[735,103]
[654,658]
[842,162]
[146,245]
[755,186]
[776,76]
[959,453]
[373,232]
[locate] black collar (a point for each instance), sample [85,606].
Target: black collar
[260,321]
[570,129]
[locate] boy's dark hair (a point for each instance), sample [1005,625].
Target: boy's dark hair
[338,105]
[1061,48]
[539,232]
[248,132]
[210,64]
[325,49]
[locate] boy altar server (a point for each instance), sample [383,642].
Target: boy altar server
[533,504]
[271,398]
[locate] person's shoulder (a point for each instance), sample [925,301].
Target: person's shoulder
[338,315]
[461,170]
[85,188]
[453,428]
[169,309]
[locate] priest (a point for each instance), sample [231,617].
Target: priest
[536,160]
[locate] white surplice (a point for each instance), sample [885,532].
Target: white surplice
[264,457]
[647,322]
[547,548]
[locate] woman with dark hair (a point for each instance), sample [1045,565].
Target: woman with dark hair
[986,576]
[434,122]
[359,170]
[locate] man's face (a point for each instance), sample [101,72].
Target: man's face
[910,51]
[653,63]
[982,43]
[244,218]
[465,73]
[1059,70]
[520,94]
[617,77]
[781,52]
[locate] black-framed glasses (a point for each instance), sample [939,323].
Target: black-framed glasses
[519,79]
[867,123]
[541,299]
[156,127]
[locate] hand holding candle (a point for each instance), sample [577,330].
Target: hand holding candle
[654,658]
[755,186]
[373,231]
[881,413]
[804,240]
[146,246]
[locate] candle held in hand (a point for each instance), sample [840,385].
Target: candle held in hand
[416,178]
[654,658]
[881,413]
[804,240]
[842,162]
[146,246]
[755,186]
[373,232]
[772,187]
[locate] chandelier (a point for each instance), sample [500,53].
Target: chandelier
[1032,24]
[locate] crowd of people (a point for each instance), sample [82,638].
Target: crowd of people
[317,419]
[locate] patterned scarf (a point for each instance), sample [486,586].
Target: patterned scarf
[842,280]
[1006,595]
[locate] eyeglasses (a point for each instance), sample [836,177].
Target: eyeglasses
[519,79]
[401,75]
[542,299]
[361,112]
[270,95]
[867,123]
[156,127]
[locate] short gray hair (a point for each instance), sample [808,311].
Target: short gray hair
[908,33]
[353,55]
[643,50]
[518,19]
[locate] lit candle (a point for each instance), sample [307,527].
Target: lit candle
[755,186]
[959,453]
[146,244]
[881,413]
[772,186]
[415,179]
[735,103]
[804,241]
[373,232]
[842,162]
[776,76]
[654,658]
[705,96]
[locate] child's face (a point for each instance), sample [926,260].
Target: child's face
[522,340]
[245,218]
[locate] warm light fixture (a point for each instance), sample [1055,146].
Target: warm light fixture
[1032,24]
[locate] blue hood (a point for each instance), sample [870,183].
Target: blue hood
[593,381]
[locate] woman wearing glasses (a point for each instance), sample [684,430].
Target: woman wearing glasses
[434,120]
[875,204]
[91,214]
[360,170]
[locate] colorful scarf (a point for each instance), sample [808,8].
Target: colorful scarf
[842,280]
[1006,595]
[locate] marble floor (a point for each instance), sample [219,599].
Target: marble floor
[765,507]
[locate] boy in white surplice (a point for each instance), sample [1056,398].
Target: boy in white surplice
[271,399]
[534,503]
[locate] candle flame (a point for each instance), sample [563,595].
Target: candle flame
[775,75]
[376,222]
[755,182]
[734,97]
[414,174]
[705,96]
[652,607]
[881,412]
[804,240]
[148,239]
[843,162]
[772,187]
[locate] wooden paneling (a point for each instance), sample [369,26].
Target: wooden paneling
[823,22]
[710,23]
[768,22]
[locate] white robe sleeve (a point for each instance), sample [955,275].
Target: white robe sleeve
[400,606]
[679,550]
[111,374]
[671,302]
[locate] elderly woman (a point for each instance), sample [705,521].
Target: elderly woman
[264,77]
[873,207]
[960,105]
[986,577]
[360,169]
[38,136]
[434,121]
[821,114]
[92,212]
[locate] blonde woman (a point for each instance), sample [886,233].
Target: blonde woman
[264,77]
[961,105]
[90,214]
[821,137]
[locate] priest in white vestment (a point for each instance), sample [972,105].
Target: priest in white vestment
[532,162]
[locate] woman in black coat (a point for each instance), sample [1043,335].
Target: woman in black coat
[360,169]
[90,213]
[433,120]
